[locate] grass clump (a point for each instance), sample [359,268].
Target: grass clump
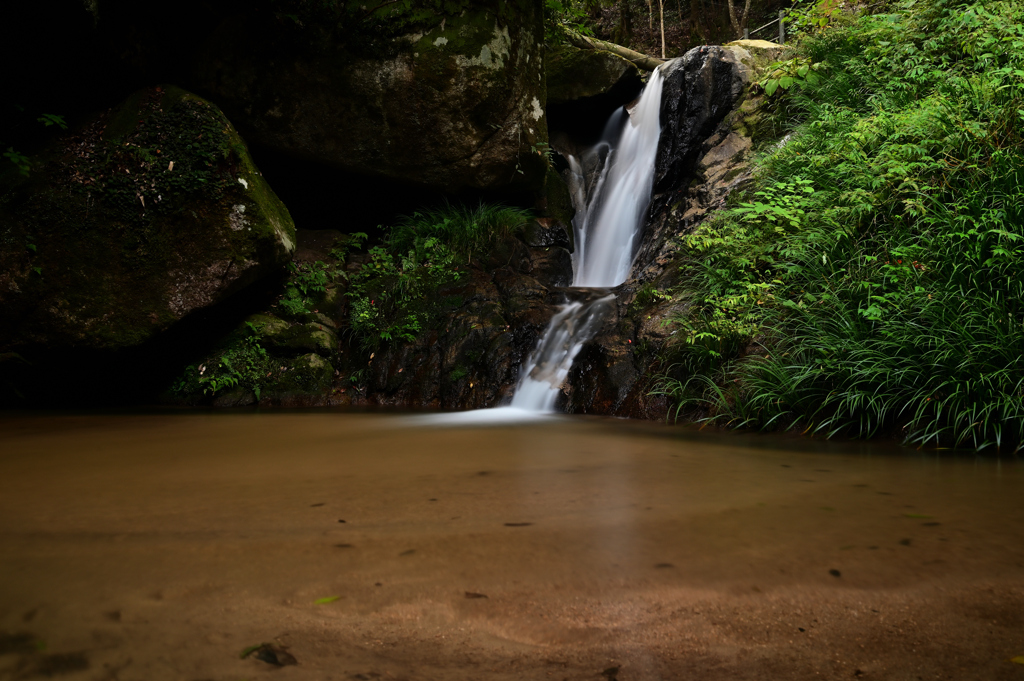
[877,264]
[463,230]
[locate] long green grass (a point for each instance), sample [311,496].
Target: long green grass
[464,229]
[878,265]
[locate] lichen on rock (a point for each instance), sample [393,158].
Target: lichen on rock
[447,95]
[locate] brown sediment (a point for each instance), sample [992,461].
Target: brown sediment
[200,532]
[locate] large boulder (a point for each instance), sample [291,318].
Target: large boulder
[575,74]
[701,88]
[147,213]
[450,96]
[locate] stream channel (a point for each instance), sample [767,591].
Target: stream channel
[331,545]
[370,546]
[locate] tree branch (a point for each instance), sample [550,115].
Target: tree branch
[642,61]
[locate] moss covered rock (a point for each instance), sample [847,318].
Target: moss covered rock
[449,95]
[308,374]
[149,212]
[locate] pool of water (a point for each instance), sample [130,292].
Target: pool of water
[160,546]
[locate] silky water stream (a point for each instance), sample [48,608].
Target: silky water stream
[611,203]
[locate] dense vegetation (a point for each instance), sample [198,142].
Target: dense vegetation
[876,264]
[390,297]
[392,294]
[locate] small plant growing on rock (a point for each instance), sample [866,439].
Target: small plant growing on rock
[244,362]
[392,295]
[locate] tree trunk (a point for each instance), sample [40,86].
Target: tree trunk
[661,17]
[738,24]
[642,61]
[623,34]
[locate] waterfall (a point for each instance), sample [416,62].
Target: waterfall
[610,211]
[607,226]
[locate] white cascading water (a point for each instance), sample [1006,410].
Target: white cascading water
[609,219]
[608,222]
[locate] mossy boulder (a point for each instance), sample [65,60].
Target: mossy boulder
[448,95]
[307,338]
[574,74]
[147,213]
[307,374]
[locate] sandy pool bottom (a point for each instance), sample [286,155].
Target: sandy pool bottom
[151,547]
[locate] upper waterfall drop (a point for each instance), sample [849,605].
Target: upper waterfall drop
[609,221]
[608,227]
[611,204]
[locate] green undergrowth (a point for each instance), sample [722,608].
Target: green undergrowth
[870,282]
[241,362]
[393,296]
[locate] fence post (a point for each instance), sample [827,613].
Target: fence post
[746,34]
[782,27]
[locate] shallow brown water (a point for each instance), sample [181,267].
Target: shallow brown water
[151,547]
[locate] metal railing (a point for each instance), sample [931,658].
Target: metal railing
[781,21]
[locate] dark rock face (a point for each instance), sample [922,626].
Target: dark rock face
[575,74]
[145,215]
[448,99]
[701,88]
[472,359]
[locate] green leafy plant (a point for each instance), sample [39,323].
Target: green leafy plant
[390,293]
[871,281]
[20,160]
[244,362]
[393,295]
[53,119]
[463,230]
[798,71]
[306,280]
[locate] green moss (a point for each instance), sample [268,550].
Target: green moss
[144,199]
[306,374]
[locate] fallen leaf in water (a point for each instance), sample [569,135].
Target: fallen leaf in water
[249,650]
[835,573]
[517,524]
[1017,660]
[473,594]
[326,599]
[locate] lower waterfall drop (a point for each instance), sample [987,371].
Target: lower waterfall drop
[608,224]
